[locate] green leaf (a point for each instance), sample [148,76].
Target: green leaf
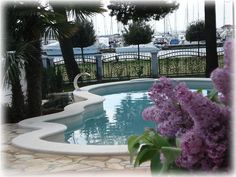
[199,90]
[133,146]
[156,164]
[145,154]
[131,142]
[170,153]
[213,95]
[159,141]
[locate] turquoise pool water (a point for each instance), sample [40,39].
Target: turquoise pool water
[120,119]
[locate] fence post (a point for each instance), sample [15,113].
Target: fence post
[99,66]
[154,64]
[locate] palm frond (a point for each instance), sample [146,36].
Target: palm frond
[16,60]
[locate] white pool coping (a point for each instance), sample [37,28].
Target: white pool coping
[34,140]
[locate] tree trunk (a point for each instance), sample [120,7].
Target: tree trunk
[72,68]
[210,29]
[17,107]
[82,54]
[66,46]
[33,69]
[138,52]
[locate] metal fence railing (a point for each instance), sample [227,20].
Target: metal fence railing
[185,62]
[126,66]
[189,62]
[86,64]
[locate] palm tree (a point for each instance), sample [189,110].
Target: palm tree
[12,81]
[79,10]
[27,23]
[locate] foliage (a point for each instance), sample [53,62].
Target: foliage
[52,81]
[150,146]
[78,10]
[200,125]
[25,26]
[85,36]
[56,103]
[138,33]
[196,31]
[140,11]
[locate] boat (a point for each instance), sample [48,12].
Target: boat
[134,48]
[53,49]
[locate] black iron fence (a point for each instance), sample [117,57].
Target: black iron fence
[185,62]
[171,63]
[126,66]
[86,64]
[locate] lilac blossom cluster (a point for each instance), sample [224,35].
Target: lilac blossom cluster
[221,76]
[205,146]
[201,124]
[171,119]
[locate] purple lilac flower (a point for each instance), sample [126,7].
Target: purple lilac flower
[221,77]
[202,125]
[192,146]
[222,81]
[150,113]
[170,118]
[210,126]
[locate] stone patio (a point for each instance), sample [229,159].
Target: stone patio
[20,162]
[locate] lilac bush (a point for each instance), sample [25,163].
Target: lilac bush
[201,124]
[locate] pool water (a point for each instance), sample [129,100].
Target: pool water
[122,117]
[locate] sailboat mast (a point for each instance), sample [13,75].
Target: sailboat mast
[111,27]
[233,19]
[175,22]
[224,13]
[187,15]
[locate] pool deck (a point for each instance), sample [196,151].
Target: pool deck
[20,162]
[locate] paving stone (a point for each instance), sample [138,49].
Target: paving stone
[43,155]
[114,166]
[70,167]
[20,161]
[35,162]
[100,158]
[36,168]
[94,163]
[89,170]
[64,160]
[126,158]
[125,163]
[79,158]
[18,166]
[129,166]
[113,160]
[24,156]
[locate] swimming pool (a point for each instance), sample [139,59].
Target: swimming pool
[50,132]
[120,118]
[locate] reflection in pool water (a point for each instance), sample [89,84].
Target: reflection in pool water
[122,117]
